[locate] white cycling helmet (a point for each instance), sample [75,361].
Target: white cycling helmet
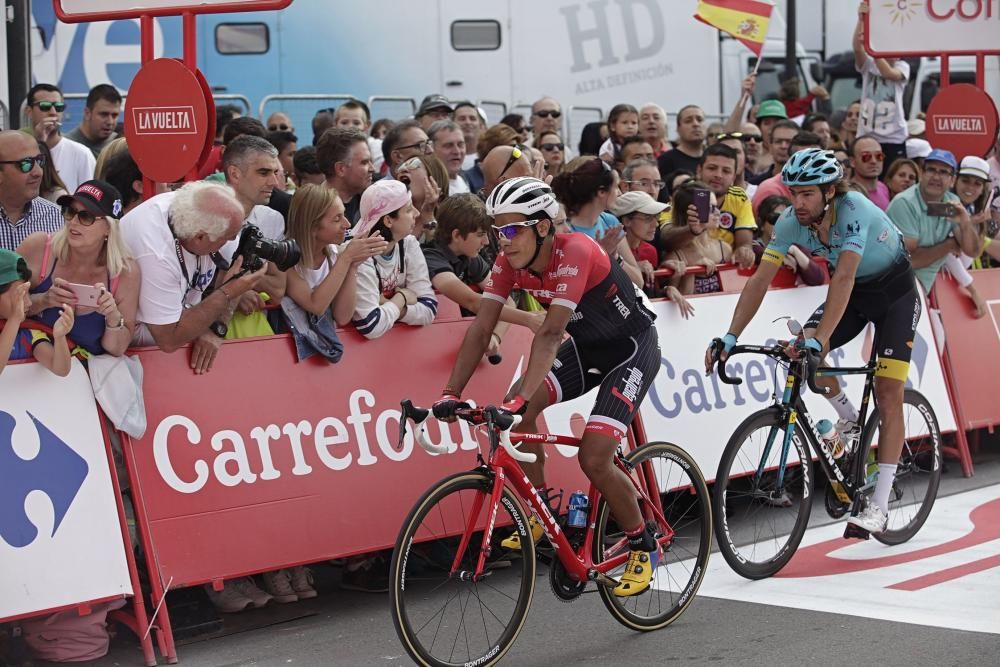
[525,195]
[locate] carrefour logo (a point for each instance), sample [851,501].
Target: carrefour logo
[56,470]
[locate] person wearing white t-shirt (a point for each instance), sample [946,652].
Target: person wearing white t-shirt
[883,81]
[177,238]
[74,162]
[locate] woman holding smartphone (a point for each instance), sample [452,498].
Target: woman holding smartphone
[974,193]
[87,266]
[702,209]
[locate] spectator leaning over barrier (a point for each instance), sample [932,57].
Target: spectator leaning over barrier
[653,128]
[173,237]
[546,116]
[52,351]
[697,248]
[393,287]
[788,142]
[22,210]
[467,117]
[433,108]
[405,140]
[286,144]
[690,141]
[306,168]
[74,162]
[449,147]
[866,163]
[100,116]
[343,156]
[930,239]
[86,267]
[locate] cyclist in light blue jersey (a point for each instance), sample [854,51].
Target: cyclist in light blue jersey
[872,281]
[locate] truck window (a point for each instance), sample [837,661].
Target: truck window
[481,35]
[242,38]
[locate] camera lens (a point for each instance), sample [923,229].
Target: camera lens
[284,254]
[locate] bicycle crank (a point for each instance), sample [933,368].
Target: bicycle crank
[564,588]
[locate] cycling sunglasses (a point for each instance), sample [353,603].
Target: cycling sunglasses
[510,230]
[552,147]
[868,156]
[48,106]
[85,217]
[26,164]
[545,113]
[515,155]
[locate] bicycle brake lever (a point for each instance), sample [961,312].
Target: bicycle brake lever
[812,365]
[419,417]
[514,452]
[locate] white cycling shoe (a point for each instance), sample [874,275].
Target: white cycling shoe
[871,519]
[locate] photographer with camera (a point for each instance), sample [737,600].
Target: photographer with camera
[180,241]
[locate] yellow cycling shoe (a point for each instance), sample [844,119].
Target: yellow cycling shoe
[638,573]
[514,541]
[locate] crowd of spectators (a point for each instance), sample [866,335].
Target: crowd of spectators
[388,216]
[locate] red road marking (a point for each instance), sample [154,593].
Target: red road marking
[957,572]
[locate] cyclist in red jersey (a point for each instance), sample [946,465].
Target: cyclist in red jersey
[612,344]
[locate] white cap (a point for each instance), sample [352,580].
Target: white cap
[917,148]
[975,166]
[916,127]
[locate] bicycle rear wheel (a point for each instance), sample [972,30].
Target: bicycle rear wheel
[441,616]
[676,481]
[918,473]
[759,522]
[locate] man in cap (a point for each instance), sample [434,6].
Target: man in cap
[769,114]
[433,108]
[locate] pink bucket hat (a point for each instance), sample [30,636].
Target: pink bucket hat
[381,198]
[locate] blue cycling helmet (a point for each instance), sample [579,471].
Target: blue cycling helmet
[812,166]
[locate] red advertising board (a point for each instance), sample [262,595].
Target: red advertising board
[302,464]
[962,119]
[167,120]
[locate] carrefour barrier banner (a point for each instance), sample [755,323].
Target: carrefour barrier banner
[60,539]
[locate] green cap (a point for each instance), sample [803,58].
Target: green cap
[12,267]
[771,109]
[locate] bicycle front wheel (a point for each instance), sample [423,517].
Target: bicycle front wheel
[918,472]
[759,518]
[672,479]
[443,614]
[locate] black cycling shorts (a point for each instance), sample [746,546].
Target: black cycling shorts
[624,369]
[892,303]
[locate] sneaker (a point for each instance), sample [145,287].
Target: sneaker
[871,518]
[228,600]
[372,576]
[514,541]
[638,573]
[279,584]
[302,580]
[850,434]
[249,589]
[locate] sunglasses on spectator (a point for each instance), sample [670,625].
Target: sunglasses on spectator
[85,217]
[742,136]
[276,128]
[520,130]
[412,164]
[646,183]
[26,164]
[423,146]
[510,230]
[552,147]
[548,114]
[48,106]
[868,156]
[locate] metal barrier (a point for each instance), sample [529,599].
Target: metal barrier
[501,108]
[391,99]
[299,97]
[229,97]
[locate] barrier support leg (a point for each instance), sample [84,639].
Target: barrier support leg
[961,448]
[161,620]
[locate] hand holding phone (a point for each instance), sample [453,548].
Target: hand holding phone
[86,295]
[941,209]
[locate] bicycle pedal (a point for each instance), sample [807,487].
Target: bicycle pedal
[855,532]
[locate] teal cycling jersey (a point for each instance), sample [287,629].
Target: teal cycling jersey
[858,226]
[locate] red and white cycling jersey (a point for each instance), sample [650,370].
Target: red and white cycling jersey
[580,276]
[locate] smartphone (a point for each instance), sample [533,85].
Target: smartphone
[86,295]
[942,209]
[703,204]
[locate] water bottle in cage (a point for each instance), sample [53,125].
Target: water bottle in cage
[578,506]
[830,436]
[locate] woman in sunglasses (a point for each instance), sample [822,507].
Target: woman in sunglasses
[553,151]
[87,268]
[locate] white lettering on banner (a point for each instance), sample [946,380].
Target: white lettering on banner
[232,465]
[955,124]
[164,120]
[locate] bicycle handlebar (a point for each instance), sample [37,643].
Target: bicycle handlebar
[491,415]
[809,357]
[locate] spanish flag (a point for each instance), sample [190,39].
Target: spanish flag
[746,20]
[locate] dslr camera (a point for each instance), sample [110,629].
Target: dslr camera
[255,249]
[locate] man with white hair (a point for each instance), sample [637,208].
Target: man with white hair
[179,239]
[653,128]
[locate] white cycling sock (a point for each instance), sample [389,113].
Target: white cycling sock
[883,485]
[843,406]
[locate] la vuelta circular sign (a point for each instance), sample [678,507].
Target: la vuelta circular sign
[166,120]
[962,119]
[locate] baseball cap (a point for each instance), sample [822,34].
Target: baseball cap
[942,156]
[12,267]
[917,148]
[632,202]
[771,109]
[916,127]
[380,198]
[432,102]
[975,166]
[99,197]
